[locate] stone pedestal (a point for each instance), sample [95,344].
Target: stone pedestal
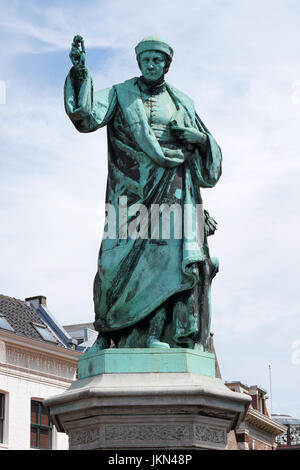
[147,399]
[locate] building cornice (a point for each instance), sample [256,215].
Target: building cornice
[35,360]
[264,423]
[35,376]
[13,339]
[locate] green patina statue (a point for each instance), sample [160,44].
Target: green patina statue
[152,287]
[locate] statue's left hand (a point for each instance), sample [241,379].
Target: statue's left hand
[189,135]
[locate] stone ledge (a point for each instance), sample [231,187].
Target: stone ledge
[130,361]
[164,408]
[157,394]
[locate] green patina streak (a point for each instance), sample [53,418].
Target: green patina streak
[133,361]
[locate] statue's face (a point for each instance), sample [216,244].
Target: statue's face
[152,64]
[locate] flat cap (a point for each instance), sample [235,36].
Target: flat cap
[154,43]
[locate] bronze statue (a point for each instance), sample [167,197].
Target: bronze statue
[150,291]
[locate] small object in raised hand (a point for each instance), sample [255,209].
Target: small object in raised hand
[77,53]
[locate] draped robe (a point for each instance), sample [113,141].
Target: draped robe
[135,276]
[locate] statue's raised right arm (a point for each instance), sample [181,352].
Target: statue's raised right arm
[87,109]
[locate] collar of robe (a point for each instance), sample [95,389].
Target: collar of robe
[152,88]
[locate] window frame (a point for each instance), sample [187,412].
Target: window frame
[2,417]
[44,333]
[4,397]
[5,325]
[38,426]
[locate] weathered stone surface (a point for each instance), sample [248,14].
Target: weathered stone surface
[148,410]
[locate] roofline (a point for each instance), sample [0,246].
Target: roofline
[247,387]
[14,339]
[47,317]
[237,382]
[260,389]
[264,422]
[80,325]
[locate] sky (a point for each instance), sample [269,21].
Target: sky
[239,61]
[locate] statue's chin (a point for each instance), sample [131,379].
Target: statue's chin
[153,81]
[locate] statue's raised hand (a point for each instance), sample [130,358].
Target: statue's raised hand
[78,72]
[77,53]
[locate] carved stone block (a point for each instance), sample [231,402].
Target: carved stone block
[148,411]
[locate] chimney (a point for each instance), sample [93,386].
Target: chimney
[37,301]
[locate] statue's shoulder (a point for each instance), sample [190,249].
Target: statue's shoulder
[184,98]
[128,85]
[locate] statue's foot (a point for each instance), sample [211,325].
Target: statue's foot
[102,342]
[155,343]
[199,347]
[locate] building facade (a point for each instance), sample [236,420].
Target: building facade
[290,440]
[259,431]
[38,359]
[84,333]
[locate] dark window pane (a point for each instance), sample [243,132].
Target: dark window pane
[45,420]
[45,334]
[45,438]
[35,406]
[2,401]
[4,324]
[40,437]
[34,437]
[2,408]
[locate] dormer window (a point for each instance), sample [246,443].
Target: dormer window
[44,333]
[4,324]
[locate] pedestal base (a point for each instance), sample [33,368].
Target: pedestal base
[148,410]
[141,361]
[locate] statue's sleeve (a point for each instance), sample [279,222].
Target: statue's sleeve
[206,164]
[87,109]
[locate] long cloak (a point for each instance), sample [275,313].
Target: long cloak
[135,276]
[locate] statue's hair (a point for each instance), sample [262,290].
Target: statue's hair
[168,60]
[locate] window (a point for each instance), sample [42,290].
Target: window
[41,427]
[2,417]
[45,334]
[4,324]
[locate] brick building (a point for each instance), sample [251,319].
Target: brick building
[259,431]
